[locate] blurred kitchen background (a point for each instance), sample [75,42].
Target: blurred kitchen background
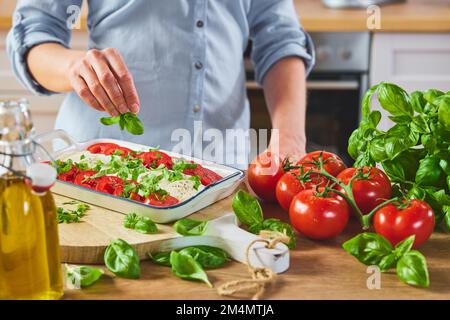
[411,48]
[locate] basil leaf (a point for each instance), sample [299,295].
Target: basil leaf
[110,121]
[208,257]
[282,227]
[417,101]
[130,220]
[368,248]
[378,150]
[185,267]
[365,111]
[420,125]
[394,99]
[446,218]
[122,260]
[140,223]
[83,276]
[444,112]
[403,167]
[430,172]
[161,258]
[412,269]
[189,227]
[247,209]
[133,124]
[400,250]
[128,121]
[431,95]
[400,138]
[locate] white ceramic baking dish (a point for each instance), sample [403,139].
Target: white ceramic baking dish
[58,143]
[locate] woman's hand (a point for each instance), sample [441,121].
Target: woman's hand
[102,80]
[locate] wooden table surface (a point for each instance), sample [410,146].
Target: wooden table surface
[319,270]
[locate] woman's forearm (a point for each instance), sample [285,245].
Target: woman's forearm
[285,92]
[49,64]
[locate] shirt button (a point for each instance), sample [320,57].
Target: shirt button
[196,108]
[200,24]
[198,65]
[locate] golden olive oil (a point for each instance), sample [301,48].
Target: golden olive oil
[29,246]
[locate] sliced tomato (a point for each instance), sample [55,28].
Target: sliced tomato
[68,176]
[134,196]
[153,159]
[110,184]
[123,151]
[160,201]
[81,180]
[102,147]
[207,176]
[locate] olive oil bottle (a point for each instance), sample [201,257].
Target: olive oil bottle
[29,246]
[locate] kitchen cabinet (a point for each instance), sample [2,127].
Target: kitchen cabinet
[411,60]
[43,108]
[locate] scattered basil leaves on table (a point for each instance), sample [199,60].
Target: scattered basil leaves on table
[161,258]
[83,276]
[250,214]
[186,267]
[190,227]
[71,215]
[140,223]
[122,260]
[414,153]
[374,249]
[128,121]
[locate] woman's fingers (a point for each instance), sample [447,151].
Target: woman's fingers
[103,81]
[107,80]
[124,78]
[97,89]
[83,91]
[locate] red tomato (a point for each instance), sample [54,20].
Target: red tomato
[331,162]
[153,159]
[370,192]
[207,176]
[397,224]
[68,176]
[81,180]
[102,147]
[160,201]
[134,196]
[110,184]
[263,175]
[289,186]
[123,151]
[319,217]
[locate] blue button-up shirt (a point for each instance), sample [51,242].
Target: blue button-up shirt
[186,73]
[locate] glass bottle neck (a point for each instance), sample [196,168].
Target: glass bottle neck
[16,156]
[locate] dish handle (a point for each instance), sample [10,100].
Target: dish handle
[55,143]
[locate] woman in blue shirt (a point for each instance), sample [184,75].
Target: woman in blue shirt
[178,63]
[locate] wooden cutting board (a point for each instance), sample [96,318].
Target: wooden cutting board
[85,242]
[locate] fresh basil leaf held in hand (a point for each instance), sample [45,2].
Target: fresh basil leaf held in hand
[122,260]
[208,257]
[247,209]
[368,248]
[412,269]
[82,276]
[128,121]
[190,227]
[185,267]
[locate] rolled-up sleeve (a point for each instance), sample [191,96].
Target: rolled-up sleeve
[276,33]
[36,22]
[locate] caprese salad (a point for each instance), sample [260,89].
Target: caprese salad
[151,177]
